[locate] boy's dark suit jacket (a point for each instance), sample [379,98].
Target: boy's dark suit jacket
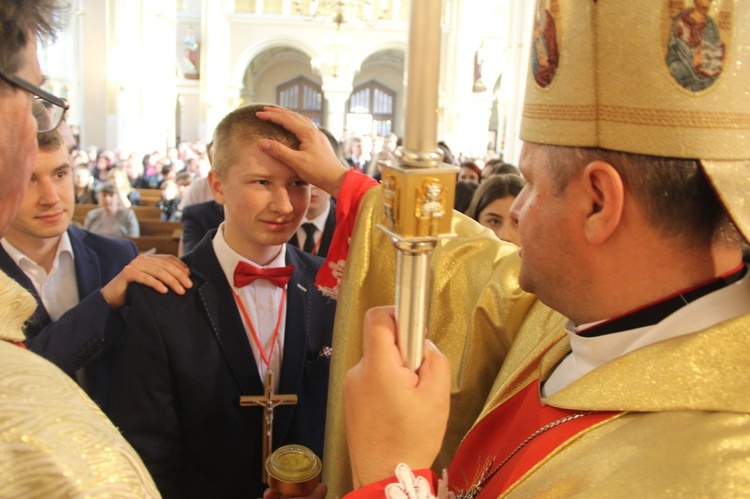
[188,361]
[328,230]
[78,337]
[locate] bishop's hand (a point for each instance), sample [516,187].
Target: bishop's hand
[315,162]
[393,415]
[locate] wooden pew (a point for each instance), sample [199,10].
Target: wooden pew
[166,245]
[149,197]
[159,228]
[146,212]
[80,210]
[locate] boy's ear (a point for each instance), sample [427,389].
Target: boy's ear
[217,188]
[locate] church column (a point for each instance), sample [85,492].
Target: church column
[138,110]
[337,88]
[93,57]
[521,15]
[465,113]
[214,62]
[159,95]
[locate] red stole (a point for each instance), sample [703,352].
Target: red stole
[16,343]
[497,438]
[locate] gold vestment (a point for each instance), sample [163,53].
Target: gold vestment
[54,441]
[686,427]
[685,431]
[476,309]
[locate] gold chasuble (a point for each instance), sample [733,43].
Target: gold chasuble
[476,308]
[54,441]
[697,409]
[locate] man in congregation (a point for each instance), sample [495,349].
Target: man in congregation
[54,439]
[78,278]
[252,319]
[631,226]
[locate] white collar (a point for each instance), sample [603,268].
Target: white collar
[588,354]
[18,257]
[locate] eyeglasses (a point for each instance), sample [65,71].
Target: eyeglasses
[48,109]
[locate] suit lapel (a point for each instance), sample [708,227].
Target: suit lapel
[88,271]
[295,339]
[226,324]
[330,227]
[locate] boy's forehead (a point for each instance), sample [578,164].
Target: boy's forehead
[254,160]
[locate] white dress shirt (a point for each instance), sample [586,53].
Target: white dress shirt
[261,300]
[57,289]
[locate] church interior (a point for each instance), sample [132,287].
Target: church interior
[145,75]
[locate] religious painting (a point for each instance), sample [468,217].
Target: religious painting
[696,34]
[545,54]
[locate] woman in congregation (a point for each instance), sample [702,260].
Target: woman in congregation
[125,193]
[111,219]
[491,204]
[83,184]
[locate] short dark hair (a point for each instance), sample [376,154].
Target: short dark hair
[18,18]
[242,126]
[674,193]
[464,194]
[494,187]
[498,167]
[335,145]
[472,166]
[50,141]
[106,187]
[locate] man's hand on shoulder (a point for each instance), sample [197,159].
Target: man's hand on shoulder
[161,272]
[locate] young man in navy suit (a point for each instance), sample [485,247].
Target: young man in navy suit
[78,278]
[189,358]
[315,233]
[197,220]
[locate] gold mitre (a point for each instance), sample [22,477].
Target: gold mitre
[659,77]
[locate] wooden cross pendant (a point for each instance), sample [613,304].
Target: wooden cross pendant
[268,401]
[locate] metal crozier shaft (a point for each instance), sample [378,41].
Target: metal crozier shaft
[418,192]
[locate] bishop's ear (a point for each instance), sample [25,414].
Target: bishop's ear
[605,196]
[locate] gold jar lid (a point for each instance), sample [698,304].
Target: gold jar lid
[293,470]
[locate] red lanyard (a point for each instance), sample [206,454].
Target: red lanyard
[246,318]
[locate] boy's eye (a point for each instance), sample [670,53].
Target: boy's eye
[300,183]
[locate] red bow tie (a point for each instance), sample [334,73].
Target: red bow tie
[245,274]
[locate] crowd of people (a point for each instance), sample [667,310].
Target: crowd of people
[604,353]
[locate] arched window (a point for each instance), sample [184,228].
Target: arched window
[377,100]
[303,96]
